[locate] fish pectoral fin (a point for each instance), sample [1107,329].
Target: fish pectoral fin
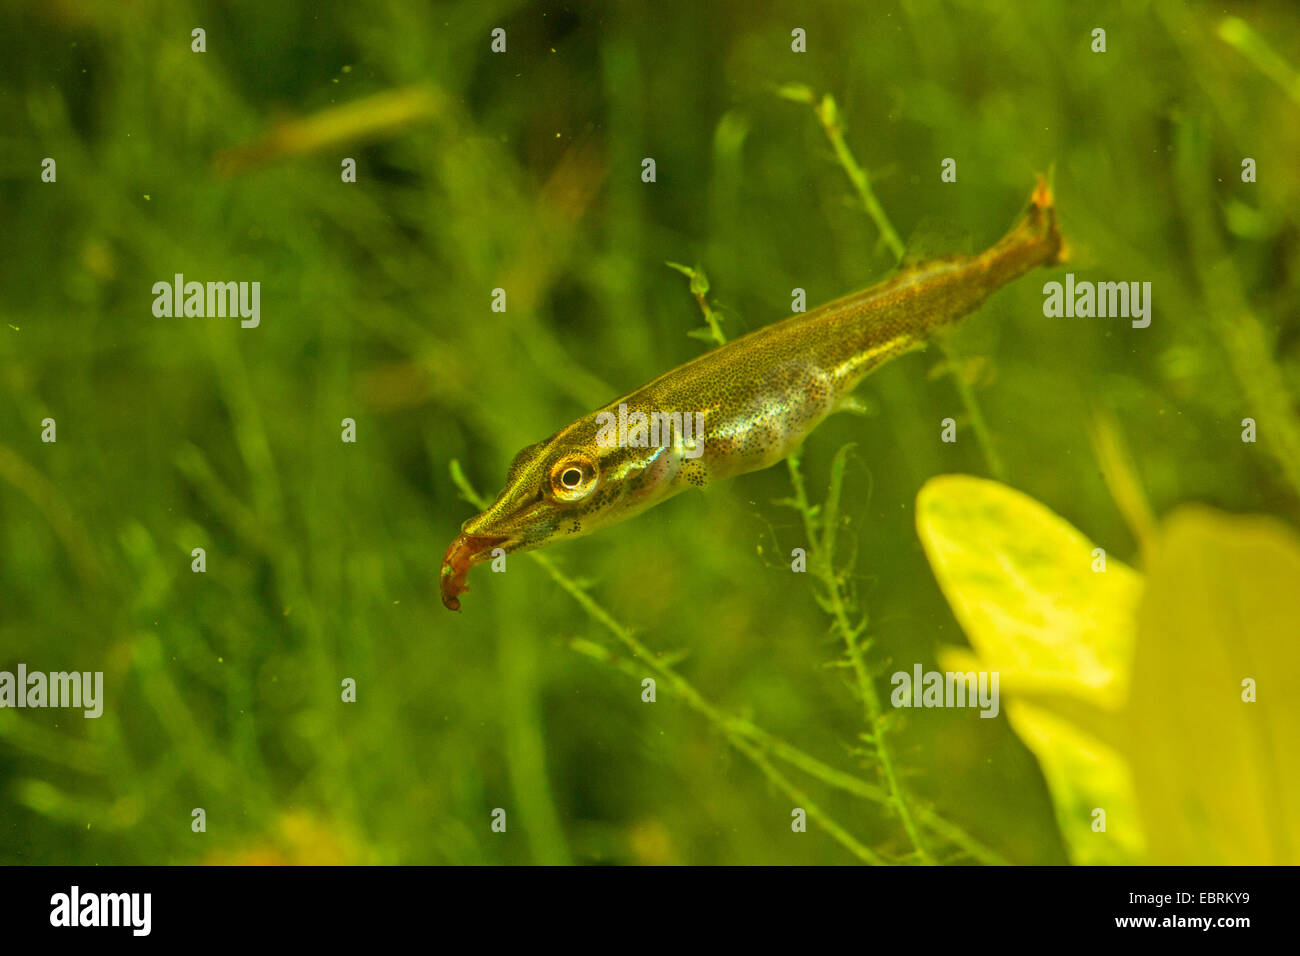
[856,405]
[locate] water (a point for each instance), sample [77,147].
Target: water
[297,679]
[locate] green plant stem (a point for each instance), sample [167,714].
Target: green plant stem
[829,116]
[700,290]
[821,563]
[823,553]
[1238,34]
[751,740]
[982,435]
[1248,343]
[790,754]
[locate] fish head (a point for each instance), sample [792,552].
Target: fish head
[568,485]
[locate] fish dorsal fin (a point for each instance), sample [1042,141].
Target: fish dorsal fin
[934,238]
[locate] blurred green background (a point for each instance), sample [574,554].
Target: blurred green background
[522,170]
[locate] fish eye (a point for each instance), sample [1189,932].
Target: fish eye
[573,477]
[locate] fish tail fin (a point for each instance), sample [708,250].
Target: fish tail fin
[1040,221]
[1035,240]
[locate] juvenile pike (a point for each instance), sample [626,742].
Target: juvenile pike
[760,395]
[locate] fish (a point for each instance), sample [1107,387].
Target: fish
[757,396]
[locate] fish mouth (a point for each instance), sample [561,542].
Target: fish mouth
[465,552]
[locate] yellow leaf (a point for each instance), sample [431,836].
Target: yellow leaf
[1083,775]
[1218,778]
[1021,582]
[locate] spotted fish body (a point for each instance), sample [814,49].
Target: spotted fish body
[759,395]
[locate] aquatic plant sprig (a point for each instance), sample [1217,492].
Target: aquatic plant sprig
[850,620]
[821,525]
[828,114]
[728,726]
[1247,341]
[1238,34]
[755,743]
[700,289]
